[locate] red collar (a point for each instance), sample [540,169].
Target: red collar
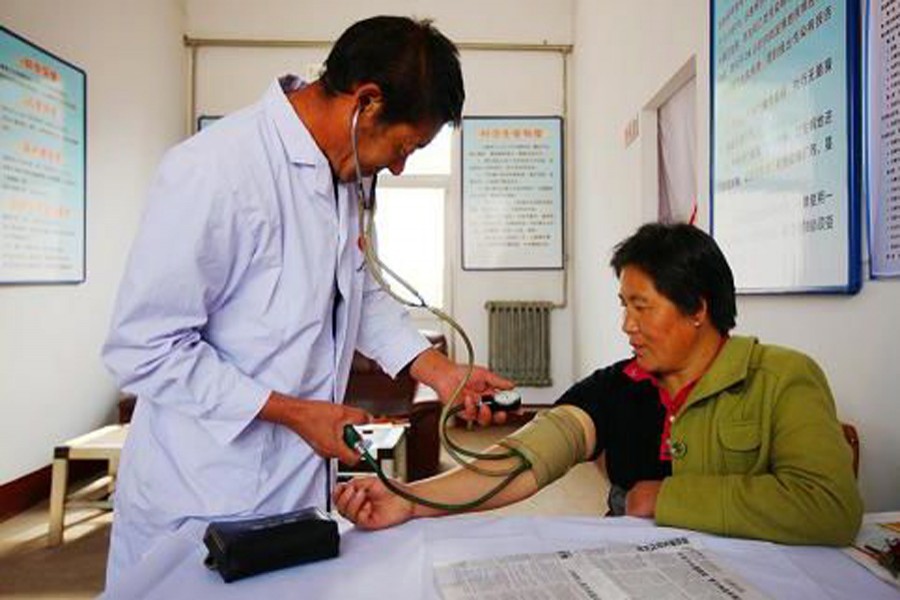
[672,404]
[636,373]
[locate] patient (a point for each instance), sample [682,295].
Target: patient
[699,429]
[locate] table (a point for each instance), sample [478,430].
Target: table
[397,564]
[101,444]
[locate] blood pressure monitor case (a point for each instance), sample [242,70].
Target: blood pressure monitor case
[239,549]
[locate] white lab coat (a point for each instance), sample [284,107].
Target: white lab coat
[230,293]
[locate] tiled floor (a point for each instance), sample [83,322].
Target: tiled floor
[75,570]
[29,569]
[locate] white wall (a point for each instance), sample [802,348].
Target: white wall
[625,53]
[52,383]
[531,21]
[497,83]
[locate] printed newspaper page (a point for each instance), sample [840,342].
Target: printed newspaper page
[669,569]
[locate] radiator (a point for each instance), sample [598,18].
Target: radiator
[519,341]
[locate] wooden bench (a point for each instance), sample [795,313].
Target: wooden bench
[101,444]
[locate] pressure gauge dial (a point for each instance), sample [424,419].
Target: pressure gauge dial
[505,400]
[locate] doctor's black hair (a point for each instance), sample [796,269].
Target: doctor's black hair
[414,64]
[686,266]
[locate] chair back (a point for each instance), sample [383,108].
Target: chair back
[852,438]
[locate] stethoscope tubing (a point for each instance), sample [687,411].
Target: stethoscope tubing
[376,268]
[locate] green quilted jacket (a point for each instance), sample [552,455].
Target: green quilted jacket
[760,452]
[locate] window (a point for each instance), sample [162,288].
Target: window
[411,240]
[410,219]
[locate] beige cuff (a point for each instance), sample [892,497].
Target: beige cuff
[553,443]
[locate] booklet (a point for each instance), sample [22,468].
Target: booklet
[877,546]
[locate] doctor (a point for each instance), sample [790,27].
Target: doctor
[245,294]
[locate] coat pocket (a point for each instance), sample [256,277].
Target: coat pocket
[740,442]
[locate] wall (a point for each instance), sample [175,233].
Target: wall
[625,53]
[463,20]
[53,385]
[497,83]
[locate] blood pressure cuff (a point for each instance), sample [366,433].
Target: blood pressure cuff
[553,442]
[239,549]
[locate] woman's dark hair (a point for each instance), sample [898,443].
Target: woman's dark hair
[414,64]
[686,266]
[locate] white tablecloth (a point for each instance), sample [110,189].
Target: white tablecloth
[397,564]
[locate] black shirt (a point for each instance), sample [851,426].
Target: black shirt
[628,417]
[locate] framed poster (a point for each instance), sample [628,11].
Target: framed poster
[785,143]
[881,94]
[43,157]
[512,193]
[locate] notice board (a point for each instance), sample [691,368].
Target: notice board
[785,147]
[882,118]
[42,165]
[512,193]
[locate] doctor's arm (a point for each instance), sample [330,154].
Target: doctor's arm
[387,335]
[179,271]
[321,424]
[437,371]
[552,443]
[194,249]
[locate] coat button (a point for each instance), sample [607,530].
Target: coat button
[678,448]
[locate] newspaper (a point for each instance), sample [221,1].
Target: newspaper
[873,538]
[668,569]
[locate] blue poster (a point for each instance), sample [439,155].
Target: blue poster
[42,165]
[785,143]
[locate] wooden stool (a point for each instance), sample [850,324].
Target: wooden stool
[102,444]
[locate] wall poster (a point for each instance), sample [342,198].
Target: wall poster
[881,107]
[512,193]
[785,143]
[42,165]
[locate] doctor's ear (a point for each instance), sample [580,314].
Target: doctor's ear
[370,105]
[369,97]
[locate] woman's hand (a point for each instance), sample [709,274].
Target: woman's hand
[641,499]
[370,505]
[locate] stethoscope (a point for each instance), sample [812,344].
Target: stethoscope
[458,453]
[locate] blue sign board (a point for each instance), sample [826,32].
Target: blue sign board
[42,165]
[785,189]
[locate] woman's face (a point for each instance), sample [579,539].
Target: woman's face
[661,336]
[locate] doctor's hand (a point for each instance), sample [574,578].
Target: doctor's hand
[370,505]
[321,424]
[439,372]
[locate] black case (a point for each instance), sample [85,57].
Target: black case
[239,549]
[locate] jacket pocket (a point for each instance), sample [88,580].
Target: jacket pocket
[740,442]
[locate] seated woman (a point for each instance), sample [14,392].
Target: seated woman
[699,429]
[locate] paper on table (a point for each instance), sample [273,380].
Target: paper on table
[874,537]
[671,568]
